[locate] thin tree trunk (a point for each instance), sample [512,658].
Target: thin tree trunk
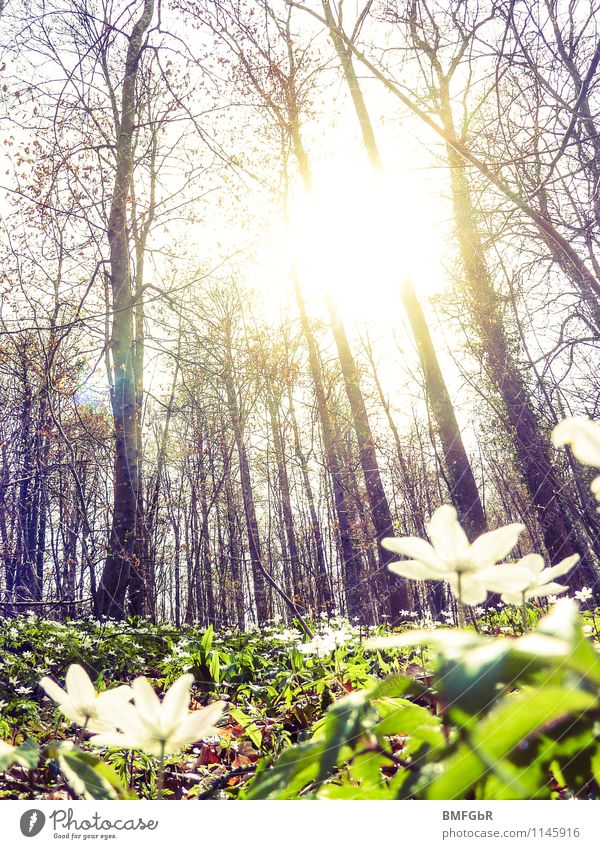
[461,481]
[121,557]
[376,496]
[324,593]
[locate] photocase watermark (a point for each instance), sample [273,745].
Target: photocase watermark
[66,826]
[32,822]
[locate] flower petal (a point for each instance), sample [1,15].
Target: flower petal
[448,538]
[547,589]
[501,579]
[146,701]
[472,590]
[583,437]
[79,686]
[198,724]
[415,548]
[493,546]
[513,598]
[561,568]
[415,570]
[534,563]
[119,712]
[116,740]
[176,700]
[52,689]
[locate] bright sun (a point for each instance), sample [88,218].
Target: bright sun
[358,234]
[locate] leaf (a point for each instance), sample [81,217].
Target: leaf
[401,717]
[493,739]
[394,685]
[207,640]
[294,769]
[595,761]
[249,726]
[214,666]
[27,755]
[87,775]
[345,722]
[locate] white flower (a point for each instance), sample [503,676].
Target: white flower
[469,568]
[584,594]
[81,703]
[288,635]
[159,728]
[341,636]
[582,436]
[321,645]
[538,582]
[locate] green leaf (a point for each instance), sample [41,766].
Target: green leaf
[249,726]
[294,769]
[27,755]
[345,722]
[394,685]
[85,774]
[595,762]
[207,640]
[493,739]
[214,666]
[401,717]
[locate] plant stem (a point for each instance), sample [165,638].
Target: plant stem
[460,607]
[160,775]
[524,619]
[81,734]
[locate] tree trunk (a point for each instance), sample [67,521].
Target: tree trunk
[531,446]
[461,481]
[350,558]
[378,502]
[260,590]
[121,557]
[324,594]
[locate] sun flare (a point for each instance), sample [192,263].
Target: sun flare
[360,233]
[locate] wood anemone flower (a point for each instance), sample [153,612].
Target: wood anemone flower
[537,582]
[469,568]
[81,703]
[160,728]
[583,437]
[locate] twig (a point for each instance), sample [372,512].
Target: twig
[221,782]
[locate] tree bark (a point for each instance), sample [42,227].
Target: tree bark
[121,558]
[378,502]
[461,481]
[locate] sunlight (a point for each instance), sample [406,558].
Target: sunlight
[358,234]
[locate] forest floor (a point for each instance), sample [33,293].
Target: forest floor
[277,686]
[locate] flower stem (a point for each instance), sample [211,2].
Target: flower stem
[460,606]
[160,775]
[524,618]
[81,735]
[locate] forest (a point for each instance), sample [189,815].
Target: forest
[288,289]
